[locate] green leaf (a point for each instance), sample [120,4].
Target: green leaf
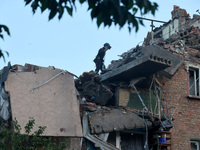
[61,11]
[92,3]
[43,6]
[29,126]
[2,55]
[1,36]
[122,16]
[136,25]
[27,1]
[130,4]
[6,29]
[53,7]
[154,8]
[95,12]
[127,3]
[69,10]
[52,14]
[141,22]
[99,22]
[82,1]
[129,29]
[34,6]
[135,10]
[7,53]
[117,10]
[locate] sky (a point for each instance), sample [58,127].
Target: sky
[71,43]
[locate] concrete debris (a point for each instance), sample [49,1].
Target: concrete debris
[90,88]
[139,62]
[106,121]
[25,68]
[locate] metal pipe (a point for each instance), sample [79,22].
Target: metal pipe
[151,19]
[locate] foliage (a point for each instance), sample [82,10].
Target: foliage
[5,28]
[108,12]
[13,139]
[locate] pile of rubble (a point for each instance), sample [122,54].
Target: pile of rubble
[92,90]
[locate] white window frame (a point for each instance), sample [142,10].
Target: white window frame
[196,143]
[196,83]
[191,66]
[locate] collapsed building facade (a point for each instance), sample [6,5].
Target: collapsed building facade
[158,81]
[148,99]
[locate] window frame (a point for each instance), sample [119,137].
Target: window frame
[192,67]
[196,84]
[196,142]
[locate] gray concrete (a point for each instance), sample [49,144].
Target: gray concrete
[154,59]
[114,120]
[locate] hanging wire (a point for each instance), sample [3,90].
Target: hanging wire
[150,102]
[146,127]
[144,106]
[171,107]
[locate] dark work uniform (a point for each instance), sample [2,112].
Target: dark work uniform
[99,60]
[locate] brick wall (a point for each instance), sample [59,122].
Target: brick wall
[123,97]
[187,118]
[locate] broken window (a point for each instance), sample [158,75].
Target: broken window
[194,81]
[194,145]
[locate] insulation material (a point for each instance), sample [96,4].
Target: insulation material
[130,99]
[52,104]
[4,105]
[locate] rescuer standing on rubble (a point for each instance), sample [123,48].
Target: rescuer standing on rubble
[99,59]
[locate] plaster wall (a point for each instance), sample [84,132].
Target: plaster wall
[53,104]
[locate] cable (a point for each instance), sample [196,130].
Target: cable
[62,72]
[144,106]
[146,127]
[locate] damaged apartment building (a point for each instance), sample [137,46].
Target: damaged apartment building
[146,100]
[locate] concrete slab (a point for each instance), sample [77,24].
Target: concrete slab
[53,104]
[153,59]
[114,120]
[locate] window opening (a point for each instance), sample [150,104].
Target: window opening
[194,81]
[194,145]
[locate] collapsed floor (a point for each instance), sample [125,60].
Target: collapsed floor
[122,102]
[115,114]
[124,108]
